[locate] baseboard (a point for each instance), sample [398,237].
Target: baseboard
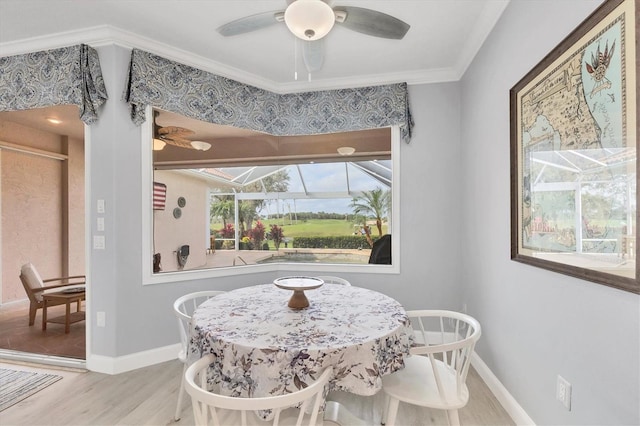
[511,406]
[508,402]
[117,365]
[39,359]
[110,365]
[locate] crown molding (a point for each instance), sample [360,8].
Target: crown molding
[53,41]
[106,35]
[491,12]
[409,77]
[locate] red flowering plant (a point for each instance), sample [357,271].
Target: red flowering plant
[257,235]
[277,235]
[228,231]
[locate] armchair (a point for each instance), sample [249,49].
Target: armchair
[35,287]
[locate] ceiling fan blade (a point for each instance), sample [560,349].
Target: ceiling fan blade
[372,22]
[249,23]
[175,131]
[179,142]
[313,54]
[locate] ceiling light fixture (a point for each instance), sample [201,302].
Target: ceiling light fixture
[54,120]
[309,19]
[201,146]
[158,144]
[346,150]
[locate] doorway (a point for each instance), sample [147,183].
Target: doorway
[42,211]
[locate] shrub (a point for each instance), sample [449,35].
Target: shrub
[257,235]
[277,235]
[228,231]
[341,242]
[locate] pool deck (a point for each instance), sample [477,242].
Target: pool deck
[227,258]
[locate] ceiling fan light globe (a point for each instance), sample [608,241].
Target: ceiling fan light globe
[309,19]
[200,145]
[158,144]
[346,150]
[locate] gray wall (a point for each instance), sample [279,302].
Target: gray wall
[430,216]
[140,317]
[536,324]
[454,238]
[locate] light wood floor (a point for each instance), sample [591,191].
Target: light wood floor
[147,396]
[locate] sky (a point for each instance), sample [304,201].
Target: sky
[325,177]
[315,178]
[325,205]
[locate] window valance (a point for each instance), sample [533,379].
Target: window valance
[198,94]
[69,75]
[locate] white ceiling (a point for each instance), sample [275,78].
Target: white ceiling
[444,37]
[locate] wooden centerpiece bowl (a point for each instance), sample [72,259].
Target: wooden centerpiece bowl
[298,284]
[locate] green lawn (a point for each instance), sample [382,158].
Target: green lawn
[313,227]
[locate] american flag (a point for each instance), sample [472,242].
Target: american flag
[159,195]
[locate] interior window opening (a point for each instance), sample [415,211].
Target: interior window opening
[227,197]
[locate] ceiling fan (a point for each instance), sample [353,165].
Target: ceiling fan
[176,136]
[311,20]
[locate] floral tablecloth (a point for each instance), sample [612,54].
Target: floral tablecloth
[264,348]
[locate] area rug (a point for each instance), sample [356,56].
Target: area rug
[18,385]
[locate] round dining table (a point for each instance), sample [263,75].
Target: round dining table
[262,347]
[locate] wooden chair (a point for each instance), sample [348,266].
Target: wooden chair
[435,373]
[334,280]
[229,410]
[183,308]
[34,285]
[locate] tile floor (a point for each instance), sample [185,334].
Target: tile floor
[17,335]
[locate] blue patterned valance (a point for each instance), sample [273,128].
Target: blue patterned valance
[69,75]
[194,93]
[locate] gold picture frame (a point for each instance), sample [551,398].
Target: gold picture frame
[574,132]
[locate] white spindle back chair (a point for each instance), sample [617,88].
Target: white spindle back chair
[183,308]
[334,280]
[435,374]
[212,408]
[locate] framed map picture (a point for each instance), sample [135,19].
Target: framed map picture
[574,133]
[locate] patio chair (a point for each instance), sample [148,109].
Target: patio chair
[35,286]
[381,251]
[436,371]
[229,410]
[183,308]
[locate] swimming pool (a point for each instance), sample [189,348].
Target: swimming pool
[306,257]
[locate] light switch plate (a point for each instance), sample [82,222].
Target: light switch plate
[99,242]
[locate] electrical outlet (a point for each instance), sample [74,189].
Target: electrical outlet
[101,319]
[563,392]
[99,242]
